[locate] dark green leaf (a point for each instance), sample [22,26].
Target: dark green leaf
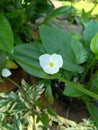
[51,111]
[57,41]
[48,94]
[45,120]
[27,56]
[72,92]
[6,35]
[93,110]
[2,60]
[64,10]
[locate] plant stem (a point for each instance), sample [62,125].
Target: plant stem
[89,85]
[13,82]
[87,69]
[77,86]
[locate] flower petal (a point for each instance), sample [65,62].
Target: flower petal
[51,70]
[44,60]
[6,72]
[57,59]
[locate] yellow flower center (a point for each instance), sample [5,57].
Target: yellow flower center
[51,64]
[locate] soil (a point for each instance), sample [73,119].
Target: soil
[70,108]
[74,110]
[17,75]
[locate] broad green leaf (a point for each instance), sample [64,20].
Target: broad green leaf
[6,35]
[94,44]
[27,56]
[72,92]
[57,41]
[90,31]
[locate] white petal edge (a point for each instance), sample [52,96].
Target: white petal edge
[57,59]
[50,70]
[6,72]
[44,60]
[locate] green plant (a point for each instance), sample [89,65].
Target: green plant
[16,108]
[22,48]
[24,110]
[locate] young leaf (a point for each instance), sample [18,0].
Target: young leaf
[6,35]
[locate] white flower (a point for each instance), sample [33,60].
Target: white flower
[51,63]
[6,72]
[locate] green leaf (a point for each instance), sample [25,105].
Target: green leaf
[90,31]
[95,83]
[38,7]
[6,35]
[93,110]
[3,56]
[85,15]
[57,41]
[94,44]
[77,86]
[17,122]
[64,10]
[51,111]
[27,56]
[72,92]
[44,119]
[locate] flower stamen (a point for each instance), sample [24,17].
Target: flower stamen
[51,64]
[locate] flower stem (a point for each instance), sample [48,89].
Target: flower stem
[13,82]
[78,86]
[87,69]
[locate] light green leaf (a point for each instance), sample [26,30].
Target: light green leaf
[94,44]
[90,31]
[6,35]
[57,41]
